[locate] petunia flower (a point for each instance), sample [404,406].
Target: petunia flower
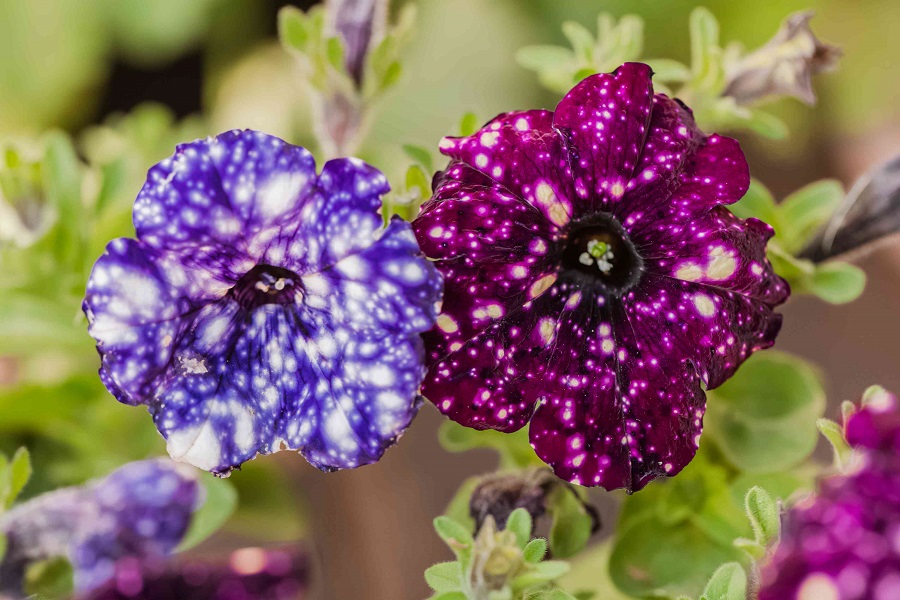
[249,574]
[263,307]
[594,281]
[842,544]
[141,510]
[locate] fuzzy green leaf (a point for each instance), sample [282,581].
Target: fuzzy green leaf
[449,596]
[220,502]
[554,594]
[764,515]
[420,155]
[806,210]
[468,124]
[519,523]
[763,418]
[728,583]
[535,550]
[19,474]
[668,70]
[581,39]
[540,574]
[452,532]
[444,577]
[546,58]
[834,433]
[837,282]
[571,526]
[292,29]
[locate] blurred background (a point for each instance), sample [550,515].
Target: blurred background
[128,79]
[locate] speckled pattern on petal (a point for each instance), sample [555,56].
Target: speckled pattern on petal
[594,281]
[841,542]
[263,307]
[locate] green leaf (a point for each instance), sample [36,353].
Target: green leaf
[678,560]
[763,418]
[2,547]
[837,282]
[334,51]
[757,202]
[535,550]
[570,529]
[468,124]
[444,577]
[449,596]
[806,210]
[417,180]
[546,58]
[541,573]
[764,124]
[221,501]
[452,532]
[729,582]
[292,29]
[391,75]
[514,448]
[554,594]
[705,51]
[519,523]
[19,474]
[581,39]
[458,507]
[754,549]
[667,70]
[834,433]
[764,515]
[420,155]
[52,578]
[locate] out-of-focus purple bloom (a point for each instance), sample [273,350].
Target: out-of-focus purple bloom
[263,307]
[141,510]
[844,543]
[594,279]
[250,574]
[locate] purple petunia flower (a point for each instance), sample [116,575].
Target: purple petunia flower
[844,543]
[263,307]
[141,510]
[593,279]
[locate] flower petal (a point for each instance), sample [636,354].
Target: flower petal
[721,251]
[493,379]
[493,250]
[133,311]
[605,120]
[522,153]
[222,201]
[341,219]
[334,377]
[610,414]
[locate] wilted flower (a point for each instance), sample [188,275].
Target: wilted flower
[250,574]
[784,66]
[594,280]
[140,510]
[842,544]
[263,306]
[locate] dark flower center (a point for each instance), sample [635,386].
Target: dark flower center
[597,251]
[265,284]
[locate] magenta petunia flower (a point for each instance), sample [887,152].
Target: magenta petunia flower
[249,574]
[844,543]
[594,279]
[263,307]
